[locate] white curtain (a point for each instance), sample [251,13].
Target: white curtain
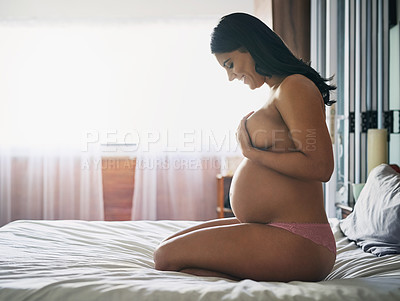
[175,186]
[44,184]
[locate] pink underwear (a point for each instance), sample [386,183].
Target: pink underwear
[321,234]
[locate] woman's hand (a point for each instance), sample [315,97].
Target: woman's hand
[242,136]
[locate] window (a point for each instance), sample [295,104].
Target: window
[117,82]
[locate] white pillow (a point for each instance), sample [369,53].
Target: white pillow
[374,223]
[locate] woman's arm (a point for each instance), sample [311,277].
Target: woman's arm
[300,104]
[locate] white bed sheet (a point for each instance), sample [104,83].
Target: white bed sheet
[79,260]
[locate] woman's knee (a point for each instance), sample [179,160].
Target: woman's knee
[159,258]
[164,259]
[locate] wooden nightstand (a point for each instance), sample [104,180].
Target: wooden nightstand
[223,185]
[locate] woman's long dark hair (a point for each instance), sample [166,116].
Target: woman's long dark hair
[240,31]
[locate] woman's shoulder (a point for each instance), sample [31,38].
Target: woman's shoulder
[297,81]
[298,86]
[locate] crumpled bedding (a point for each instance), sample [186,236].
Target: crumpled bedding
[98,260]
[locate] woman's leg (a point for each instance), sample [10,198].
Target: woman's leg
[208,224]
[252,251]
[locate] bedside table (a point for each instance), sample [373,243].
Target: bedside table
[223,185]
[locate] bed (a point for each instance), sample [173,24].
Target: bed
[97,260]
[100,260]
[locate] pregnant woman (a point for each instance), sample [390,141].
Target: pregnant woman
[280,231]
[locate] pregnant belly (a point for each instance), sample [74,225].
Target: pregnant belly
[259,194]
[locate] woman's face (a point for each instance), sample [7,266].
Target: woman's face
[240,65]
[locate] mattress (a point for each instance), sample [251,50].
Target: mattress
[98,260]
